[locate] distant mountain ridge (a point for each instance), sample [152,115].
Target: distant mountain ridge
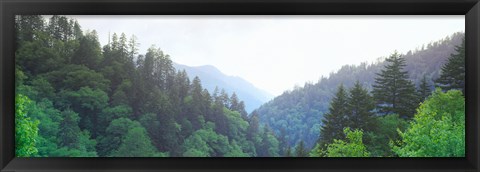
[211,77]
[298,112]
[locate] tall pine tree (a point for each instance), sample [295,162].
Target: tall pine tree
[424,89]
[453,72]
[335,120]
[360,108]
[393,91]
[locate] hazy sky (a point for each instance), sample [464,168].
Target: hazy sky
[275,53]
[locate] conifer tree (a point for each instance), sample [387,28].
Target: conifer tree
[300,150]
[288,152]
[424,89]
[335,120]
[360,108]
[393,91]
[453,72]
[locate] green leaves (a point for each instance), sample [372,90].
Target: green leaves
[352,148]
[137,144]
[26,129]
[438,128]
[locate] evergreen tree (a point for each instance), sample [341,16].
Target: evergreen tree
[453,72]
[288,152]
[69,129]
[424,89]
[88,52]
[360,109]
[300,150]
[234,102]
[336,119]
[393,91]
[28,27]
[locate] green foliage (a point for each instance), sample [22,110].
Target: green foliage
[89,52]
[352,148]
[48,129]
[393,91]
[95,101]
[114,135]
[377,141]
[318,151]
[453,72]
[137,144]
[26,129]
[300,150]
[336,119]
[424,89]
[438,128]
[360,109]
[205,143]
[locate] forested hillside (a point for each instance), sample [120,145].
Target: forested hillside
[297,113]
[76,99]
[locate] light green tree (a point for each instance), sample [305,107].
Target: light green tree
[437,130]
[352,148]
[26,129]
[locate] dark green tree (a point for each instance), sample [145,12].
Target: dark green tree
[89,52]
[336,119]
[360,109]
[452,75]
[288,152]
[424,89]
[137,144]
[28,27]
[300,150]
[393,91]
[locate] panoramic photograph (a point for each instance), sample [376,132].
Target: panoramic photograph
[239,86]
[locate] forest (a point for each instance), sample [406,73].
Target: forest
[77,98]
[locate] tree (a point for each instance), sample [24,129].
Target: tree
[288,152]
[377,141]
[26,129]
[393,91]
[424,89]
[352,148]
[114,135]
[452,75]
[360,109]
[69,129]
[300,150]
[206,143]
[89,52]
[269,146]
[28,27]
[336,119]
[137,144]
[437,130]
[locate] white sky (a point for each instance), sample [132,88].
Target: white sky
[275,53]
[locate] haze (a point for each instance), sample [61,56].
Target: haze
[275,53]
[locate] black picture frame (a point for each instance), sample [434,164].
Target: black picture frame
[10,8]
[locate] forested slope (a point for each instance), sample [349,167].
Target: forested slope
[79,99]
[297,113]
